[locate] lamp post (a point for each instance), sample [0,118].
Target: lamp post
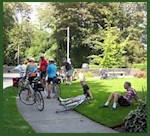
[18,55]
[68,35]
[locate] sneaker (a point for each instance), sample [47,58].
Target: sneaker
[62,103]
[70,83]
[48,97]
[59,99]
[112,108]
[104,106]
[57,111]
[27,99]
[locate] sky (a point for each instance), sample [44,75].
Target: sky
[34,6]
[34,13]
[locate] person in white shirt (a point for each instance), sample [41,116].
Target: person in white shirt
[21,67]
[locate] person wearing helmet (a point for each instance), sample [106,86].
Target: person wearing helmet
[31,69]
[43,66]
[51,70]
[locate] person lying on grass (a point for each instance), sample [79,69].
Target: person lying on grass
[86,94]
[122,100]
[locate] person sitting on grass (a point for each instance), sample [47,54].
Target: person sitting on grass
[122,100]
[86,94]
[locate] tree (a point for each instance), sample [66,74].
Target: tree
[90,18]
[112,49]
[41,42]
[16,30]
[90,23]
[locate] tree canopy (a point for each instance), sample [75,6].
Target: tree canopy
[108,34]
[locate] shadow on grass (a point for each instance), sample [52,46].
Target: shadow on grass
[13,122]
[101,89]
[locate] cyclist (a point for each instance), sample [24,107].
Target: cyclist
[31,69]
[21,67]
[43,66]
[51,70]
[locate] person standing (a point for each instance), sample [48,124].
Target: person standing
[43,66]
[51,70]
[68,71]
[21,67]
[31,69]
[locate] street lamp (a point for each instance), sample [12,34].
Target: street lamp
[18,55]
[68,34]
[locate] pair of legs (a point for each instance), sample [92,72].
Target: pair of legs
[70,103]
[113,96]
[68,80]
[43,82]
[49,86]
[71,100]
[67,101]
[43,77]
[69,76]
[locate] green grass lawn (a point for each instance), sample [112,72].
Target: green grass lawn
[13,122]
[101,90]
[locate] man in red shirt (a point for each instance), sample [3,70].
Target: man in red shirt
[43,66]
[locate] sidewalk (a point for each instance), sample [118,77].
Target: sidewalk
[48,121]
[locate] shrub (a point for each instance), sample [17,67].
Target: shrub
[136,120]
[140,74]
[142,66]
[94,66]
[88,74]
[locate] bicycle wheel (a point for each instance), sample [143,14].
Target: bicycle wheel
[27,96]
[39,100]
[22,84]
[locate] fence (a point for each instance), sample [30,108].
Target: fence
[110,71]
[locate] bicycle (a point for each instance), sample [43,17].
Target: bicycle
[31,94]
[56,87]
[19,83]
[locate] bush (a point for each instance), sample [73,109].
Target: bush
[94,66]
[142,66]
[136,120]
[88,74]
[140,74]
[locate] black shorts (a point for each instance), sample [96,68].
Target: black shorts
[123,102]
[31,79]
[50,80]
[43,74]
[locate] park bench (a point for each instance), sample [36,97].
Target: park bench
[112,74]
[115,73]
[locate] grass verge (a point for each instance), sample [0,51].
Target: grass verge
[13,122]
[101,90]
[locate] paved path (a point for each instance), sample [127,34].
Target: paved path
[48,121]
